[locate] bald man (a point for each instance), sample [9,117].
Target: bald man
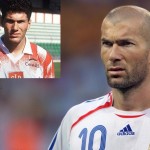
[119,120]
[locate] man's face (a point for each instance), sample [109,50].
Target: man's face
[15,26]
[125,54]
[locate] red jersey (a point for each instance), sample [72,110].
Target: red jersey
[33,62]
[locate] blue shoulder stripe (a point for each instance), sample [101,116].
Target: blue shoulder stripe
[53,142]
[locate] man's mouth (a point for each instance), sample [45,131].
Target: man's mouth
[116,70]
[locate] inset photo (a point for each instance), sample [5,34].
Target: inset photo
[30,43]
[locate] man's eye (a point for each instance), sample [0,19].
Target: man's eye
[107,43]
[9,21]
[125,43]
[20,21]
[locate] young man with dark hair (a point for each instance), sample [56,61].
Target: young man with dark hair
[19,58]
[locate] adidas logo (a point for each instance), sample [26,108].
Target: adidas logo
[126,131]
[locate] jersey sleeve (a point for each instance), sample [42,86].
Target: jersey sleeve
[61,139]
[47,63]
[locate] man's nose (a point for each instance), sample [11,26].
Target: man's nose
[115,53]
[15,26]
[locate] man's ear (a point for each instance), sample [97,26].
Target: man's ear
[149,56]
[29,24]
[0,20]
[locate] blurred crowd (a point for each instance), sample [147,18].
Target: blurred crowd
[31,110]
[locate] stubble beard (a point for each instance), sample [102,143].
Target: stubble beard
[131,80]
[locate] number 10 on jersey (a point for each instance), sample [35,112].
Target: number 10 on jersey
[90,139]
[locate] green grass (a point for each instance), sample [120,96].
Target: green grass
[57,69]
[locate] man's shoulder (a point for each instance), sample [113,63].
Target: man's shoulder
[36,47]
[41,52]
[90,106]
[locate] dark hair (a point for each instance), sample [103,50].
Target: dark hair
[16,6]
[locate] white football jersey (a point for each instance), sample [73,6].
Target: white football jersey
[97,125]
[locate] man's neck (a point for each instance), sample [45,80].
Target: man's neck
[132,100]
[15,48]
